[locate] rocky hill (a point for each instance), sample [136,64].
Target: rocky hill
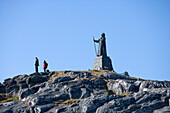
[83,92]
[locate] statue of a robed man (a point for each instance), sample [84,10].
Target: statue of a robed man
[102,61]
[102,45]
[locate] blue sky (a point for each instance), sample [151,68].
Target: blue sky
[61,32]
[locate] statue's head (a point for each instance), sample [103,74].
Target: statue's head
[103,34]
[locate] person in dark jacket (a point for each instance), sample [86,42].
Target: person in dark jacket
[45,65]
[36,64]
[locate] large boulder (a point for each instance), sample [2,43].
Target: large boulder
[36,79]
[121,86]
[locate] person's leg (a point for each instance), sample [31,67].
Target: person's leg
[36,69]
[44,70]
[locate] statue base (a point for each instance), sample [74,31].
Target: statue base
[104,63]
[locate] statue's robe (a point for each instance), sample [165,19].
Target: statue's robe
[102,47]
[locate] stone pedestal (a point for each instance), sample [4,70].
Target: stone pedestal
[104,63]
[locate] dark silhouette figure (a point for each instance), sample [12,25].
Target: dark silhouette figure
[45,65]
[102,46]
[36,64]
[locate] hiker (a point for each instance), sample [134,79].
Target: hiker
[36,64]
[45,65]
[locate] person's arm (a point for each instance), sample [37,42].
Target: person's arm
[96,40]
[37,63]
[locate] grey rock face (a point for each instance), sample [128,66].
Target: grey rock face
[120,86]
[44,108]
[36,79]
[75,93]
[91,104]
[115,76]
[13,107]
[46,99]
[85,92]
[62,79]
[20,82]
[116,105]
[163,110]
[10,84]
[149,108]
[26,92]
[1,97]
[2,88]
[154,84]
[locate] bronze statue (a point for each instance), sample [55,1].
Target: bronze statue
[102,61]
[102,46]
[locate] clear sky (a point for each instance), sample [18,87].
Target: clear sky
[61,32]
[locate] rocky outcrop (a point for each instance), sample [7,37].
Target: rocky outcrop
[84,92]
[163,110]
[2,88]
[14,107]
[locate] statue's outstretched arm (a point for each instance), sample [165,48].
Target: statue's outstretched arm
[96,40]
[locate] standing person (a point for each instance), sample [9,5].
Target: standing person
[36,64]
[45,65]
